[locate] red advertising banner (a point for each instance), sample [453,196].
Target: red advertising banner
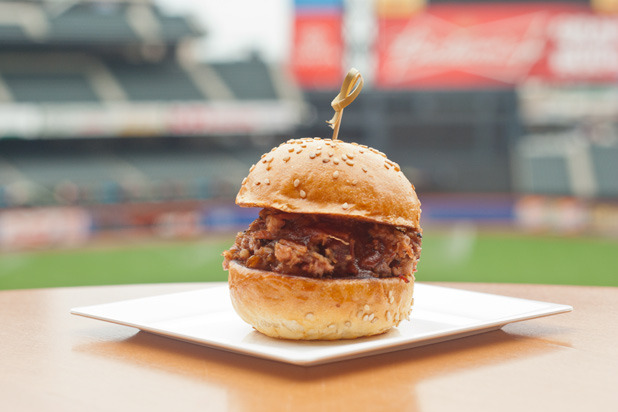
[581,47]
[494,45]
[317,51]
[44,227]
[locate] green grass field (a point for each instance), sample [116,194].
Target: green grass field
[457,255]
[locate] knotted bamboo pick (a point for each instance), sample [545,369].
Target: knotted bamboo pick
[351,87]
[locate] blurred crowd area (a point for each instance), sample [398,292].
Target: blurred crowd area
[503,114]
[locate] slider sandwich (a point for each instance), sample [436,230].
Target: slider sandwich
[333,252]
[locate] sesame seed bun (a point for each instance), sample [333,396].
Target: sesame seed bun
[300,308]
[322,176]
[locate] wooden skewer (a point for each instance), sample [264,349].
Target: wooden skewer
[351,87]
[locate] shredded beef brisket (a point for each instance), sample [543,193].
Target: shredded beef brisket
[322,246]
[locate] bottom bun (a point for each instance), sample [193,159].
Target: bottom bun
[296,307]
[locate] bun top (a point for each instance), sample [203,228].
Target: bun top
[331,177]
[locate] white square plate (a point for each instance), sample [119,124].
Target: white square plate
[206,317]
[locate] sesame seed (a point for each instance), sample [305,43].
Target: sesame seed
[349,156]
[336,161]
[291,149]
[312,155]
[359,314]
[397,169]
[263,156]
[354,182]
[330,154]
[345,206]
[332,326]
[386,166]
[325,160]
[347,323]
[361,151]
[349,163]
[303,194]
[303,145]
[268,167]
[366,308]
[309,316]
[374,320]
[319,148]
[244,181]
[366,318]
[298,151]
[296,183]
[257,183]
[267,181]
[364,169]
[389,315]
[252,168]
[292,325]
[286,158]
[335,174]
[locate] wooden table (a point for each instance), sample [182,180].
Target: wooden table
[53,361]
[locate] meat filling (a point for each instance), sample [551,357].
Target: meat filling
[325,247]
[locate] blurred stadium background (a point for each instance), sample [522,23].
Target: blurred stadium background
[123,143]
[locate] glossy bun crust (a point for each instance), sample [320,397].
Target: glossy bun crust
[300,308]
[322,176]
